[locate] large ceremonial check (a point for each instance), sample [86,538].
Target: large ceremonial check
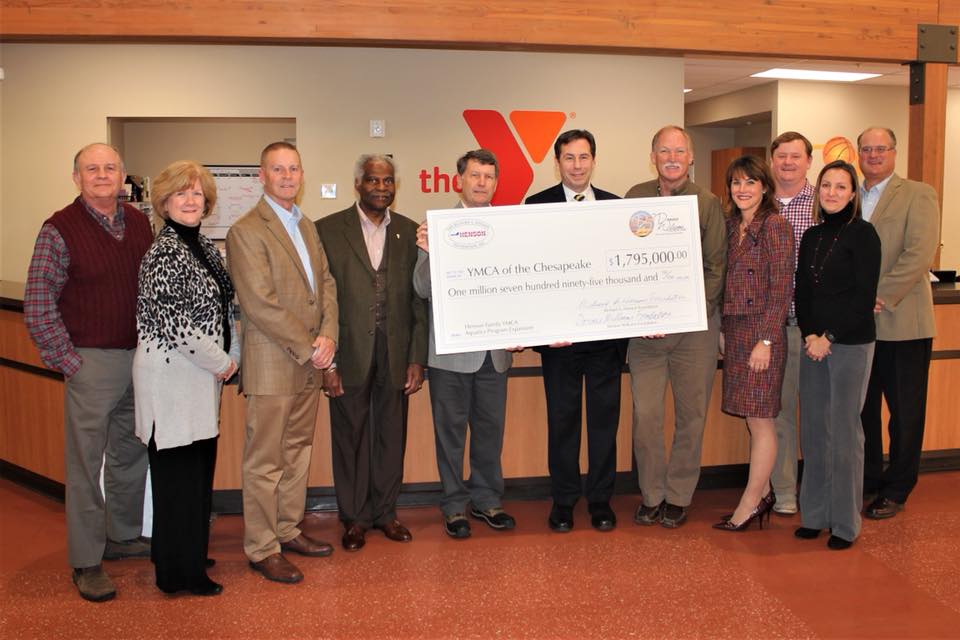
[575,271]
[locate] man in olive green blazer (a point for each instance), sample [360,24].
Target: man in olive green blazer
[906,216]
[288,301]
[382,352]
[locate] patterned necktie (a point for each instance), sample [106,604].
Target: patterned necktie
[579,197]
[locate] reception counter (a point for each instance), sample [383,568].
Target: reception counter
[31,419]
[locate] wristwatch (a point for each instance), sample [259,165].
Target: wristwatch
[766,343]
[829,336]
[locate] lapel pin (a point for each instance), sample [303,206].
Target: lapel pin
[398,236]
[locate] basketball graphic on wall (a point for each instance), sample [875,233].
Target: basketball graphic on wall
[839,148]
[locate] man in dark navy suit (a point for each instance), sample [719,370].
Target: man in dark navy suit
[565,366]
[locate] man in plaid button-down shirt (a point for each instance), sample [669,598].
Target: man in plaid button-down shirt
[79,307]
[790,157]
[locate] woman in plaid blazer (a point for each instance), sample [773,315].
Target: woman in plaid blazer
[759,287]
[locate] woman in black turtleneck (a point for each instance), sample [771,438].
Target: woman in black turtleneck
[836,289]
[186,349]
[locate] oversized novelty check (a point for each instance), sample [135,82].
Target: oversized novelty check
[575,271]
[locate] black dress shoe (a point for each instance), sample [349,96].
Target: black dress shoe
[882,508]
[838,544]
[602,516]
[207,587]
[561,518]
[806,533]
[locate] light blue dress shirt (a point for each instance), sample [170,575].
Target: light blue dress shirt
[870,198]
[291,220]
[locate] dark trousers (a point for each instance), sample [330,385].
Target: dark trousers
[899,375]
[565,371]
[369,433]
[182,483]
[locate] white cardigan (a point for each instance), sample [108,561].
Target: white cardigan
[180,345]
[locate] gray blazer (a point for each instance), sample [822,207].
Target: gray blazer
[468,362]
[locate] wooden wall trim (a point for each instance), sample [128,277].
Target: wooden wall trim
[928,131]
[881,30]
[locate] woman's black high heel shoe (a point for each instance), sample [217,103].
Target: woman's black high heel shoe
[762,509]
[769,498]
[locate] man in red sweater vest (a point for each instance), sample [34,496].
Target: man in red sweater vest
[80,309]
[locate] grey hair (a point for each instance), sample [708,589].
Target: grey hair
[371,157]
[671,127]
[76,157]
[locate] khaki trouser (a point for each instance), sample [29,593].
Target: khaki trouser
[689,362]
[276,466]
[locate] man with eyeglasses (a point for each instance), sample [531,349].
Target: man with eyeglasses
[906,217]
[687,360]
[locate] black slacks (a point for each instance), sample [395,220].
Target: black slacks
[566,370]
[369,433]
[182,482]
[899,375]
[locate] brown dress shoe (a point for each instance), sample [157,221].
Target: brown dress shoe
[135,548]
[278,569]
[94,584]
[307,546]
[354,538]
[395,531]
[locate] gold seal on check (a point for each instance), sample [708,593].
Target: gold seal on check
[641,224]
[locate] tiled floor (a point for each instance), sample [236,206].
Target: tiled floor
[901,580]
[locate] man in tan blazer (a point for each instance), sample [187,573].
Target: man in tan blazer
[382,352]
[288,300]
[906,216]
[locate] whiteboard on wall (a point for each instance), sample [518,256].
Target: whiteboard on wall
[238,190]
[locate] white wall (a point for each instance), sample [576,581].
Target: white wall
[824,110]
[57,97]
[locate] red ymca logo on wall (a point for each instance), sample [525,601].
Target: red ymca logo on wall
[535,129]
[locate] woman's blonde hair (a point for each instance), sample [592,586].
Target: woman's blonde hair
[179,176]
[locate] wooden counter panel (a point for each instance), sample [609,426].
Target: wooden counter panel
[31,418]
[31,422]
[864,29]
[948,327]
[15,343]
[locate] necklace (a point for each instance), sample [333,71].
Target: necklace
[814,271]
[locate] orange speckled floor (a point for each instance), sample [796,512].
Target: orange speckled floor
[901,580]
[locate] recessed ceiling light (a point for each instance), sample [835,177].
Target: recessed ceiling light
[687,90]
[809,74]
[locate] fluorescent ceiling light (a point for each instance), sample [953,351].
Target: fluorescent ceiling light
[809,74]
[687,90]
